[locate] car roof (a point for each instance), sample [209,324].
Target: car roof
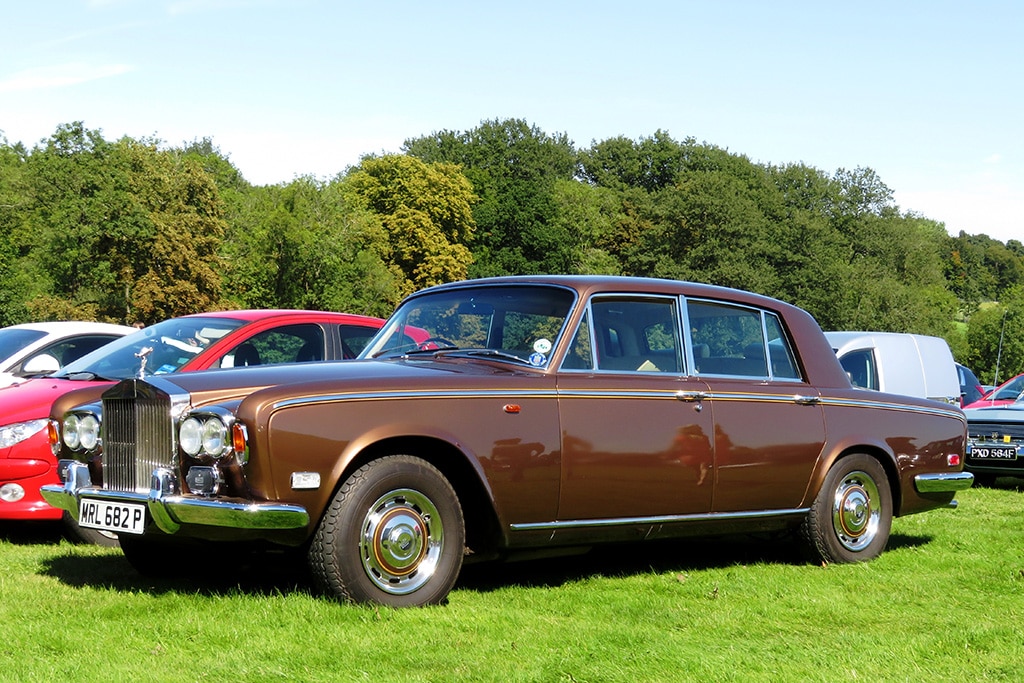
[590,284]
[66,327]
[254,314]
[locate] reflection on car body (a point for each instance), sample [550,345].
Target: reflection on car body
[528,414]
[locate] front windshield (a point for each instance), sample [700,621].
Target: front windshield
[172,342]
[516,322]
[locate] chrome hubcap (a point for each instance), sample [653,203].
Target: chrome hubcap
[855,513]
[401,541]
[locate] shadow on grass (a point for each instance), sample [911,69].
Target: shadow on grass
[1004,483]
[670,556]
[266,574]
[258,574]
[31,532]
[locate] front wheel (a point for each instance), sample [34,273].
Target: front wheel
[393,534]
[76,533]
[851,517]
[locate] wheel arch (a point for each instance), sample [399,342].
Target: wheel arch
[482,526]
[884,458]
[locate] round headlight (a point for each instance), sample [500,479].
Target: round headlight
[215,435]
[88,432]
[71,439]
[190,436]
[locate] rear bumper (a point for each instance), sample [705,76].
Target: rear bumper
[945,482]
[168,508]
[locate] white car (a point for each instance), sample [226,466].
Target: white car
[36,349]
[897,363]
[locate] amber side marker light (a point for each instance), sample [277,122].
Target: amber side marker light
[53,435]
[512,408]
[238,436]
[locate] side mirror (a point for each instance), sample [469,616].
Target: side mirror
[43,364]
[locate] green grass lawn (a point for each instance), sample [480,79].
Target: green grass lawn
[944,602]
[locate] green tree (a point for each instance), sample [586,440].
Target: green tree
[15,278]
[307,245]
[426,212]
[513,168]
[123,230]
[995,336]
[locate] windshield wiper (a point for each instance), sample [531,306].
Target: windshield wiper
[495,353]
[84,376]
[399,353]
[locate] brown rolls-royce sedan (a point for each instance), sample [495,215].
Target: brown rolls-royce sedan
[504,415]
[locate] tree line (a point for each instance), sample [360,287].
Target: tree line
[135,231]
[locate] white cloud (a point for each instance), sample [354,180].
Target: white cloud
[59,76]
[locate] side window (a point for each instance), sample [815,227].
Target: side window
[730,340]
[780,352]
[860,368]
[354,339]
[287,344]
[636,335]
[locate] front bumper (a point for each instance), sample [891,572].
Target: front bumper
[20,481]
[168,508]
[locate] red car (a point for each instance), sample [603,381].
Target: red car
[196,342]
[1003,395]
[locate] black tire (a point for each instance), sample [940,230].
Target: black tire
[851,517]
[148,557]
[79,534]
[985,480]
[393,535]
[164,557]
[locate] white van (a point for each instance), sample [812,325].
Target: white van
[907,364]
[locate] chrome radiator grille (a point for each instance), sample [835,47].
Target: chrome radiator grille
[138,435]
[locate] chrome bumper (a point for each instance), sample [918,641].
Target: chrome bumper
[946,482]
[168,509]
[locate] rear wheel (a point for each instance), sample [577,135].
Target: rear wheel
[393,534]
[851,517]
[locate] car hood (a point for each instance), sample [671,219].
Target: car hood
[1011,412]
[332,377]
[32,399]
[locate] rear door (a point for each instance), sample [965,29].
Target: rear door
[769,427]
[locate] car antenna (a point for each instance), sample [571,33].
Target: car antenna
[999,352]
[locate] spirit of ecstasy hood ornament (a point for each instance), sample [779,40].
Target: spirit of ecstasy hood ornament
[143,354]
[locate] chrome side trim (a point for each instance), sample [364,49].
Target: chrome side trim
[660,519]
[944,482]
[667,394]
[885,405]
[169,510]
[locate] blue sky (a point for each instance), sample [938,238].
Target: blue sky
[927,93]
